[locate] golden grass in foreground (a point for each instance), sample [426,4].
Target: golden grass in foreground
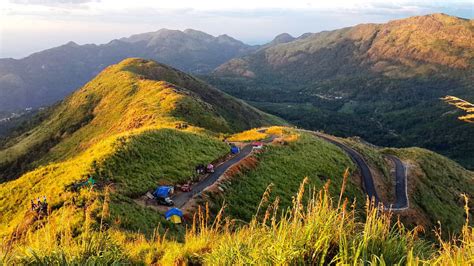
[318,232]
[463,105]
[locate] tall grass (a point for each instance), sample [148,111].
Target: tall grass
[462,105]
[249,135]
[318,232]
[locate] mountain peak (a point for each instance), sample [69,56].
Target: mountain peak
[198,34]
[430,20]
[282,38]
[224,38]
[71,43]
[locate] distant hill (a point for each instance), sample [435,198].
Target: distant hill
[135,94]
[47,76]
[401,48]
[379,81]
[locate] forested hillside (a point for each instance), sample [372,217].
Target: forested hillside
[382,82]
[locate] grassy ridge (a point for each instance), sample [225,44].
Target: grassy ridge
[134,94]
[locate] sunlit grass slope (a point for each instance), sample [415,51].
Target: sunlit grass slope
[282,166]
[130,164]
[133,94]
[120,129]
[321,231]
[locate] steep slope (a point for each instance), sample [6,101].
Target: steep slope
[47,76]
[379,81]
[133,95]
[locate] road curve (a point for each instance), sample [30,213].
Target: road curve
[401,190]
[181,198]
[364,169]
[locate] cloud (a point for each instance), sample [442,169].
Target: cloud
[52,2]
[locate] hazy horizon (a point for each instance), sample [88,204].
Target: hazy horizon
[29,26]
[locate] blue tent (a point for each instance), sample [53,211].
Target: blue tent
[162,192]
[234,150]
[173,211]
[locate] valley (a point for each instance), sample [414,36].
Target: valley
[382,82]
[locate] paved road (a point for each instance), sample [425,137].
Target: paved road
[364,169]
[401,184]
[182,198]
[368,181]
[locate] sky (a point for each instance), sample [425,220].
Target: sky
[28,26]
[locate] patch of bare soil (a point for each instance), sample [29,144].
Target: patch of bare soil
[149,203]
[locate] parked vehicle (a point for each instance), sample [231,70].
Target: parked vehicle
[210,168]
[185,188]
[257,145]
[165,201]
[234,150]
[162,195]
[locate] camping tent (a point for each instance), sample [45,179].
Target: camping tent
[234,150]
[162,192]
[174,215]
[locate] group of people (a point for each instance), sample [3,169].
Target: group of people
[201,169]
[39,205]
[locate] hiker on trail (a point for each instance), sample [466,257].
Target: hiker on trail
[200,169]
[90,181]
[44,205]
[210,168]
[40,207]
[33,205]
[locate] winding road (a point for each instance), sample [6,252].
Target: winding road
[402,202]
[401,189]
[364,169]
[181,198]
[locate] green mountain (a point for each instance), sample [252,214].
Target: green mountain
[382,82]
[135,94]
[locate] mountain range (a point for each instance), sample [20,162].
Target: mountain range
[48,76]
[383,82]
[139,123]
